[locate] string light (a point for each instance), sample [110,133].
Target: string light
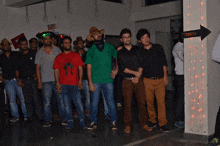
[196,71]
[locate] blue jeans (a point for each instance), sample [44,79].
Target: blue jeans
[87,95]
[108,89]
[105,104]
[69,93]
[12,88]
[47,91]
[87,98]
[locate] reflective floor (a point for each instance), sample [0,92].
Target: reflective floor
[33,134]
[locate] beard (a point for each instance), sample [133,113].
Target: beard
[48,44]
[127,43]
[67,49]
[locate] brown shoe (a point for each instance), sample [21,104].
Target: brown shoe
[145,127]
[127,129]
[56,117]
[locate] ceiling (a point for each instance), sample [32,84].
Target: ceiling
[23,3]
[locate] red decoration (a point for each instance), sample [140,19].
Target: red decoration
[15,40]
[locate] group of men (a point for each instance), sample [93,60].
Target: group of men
[143,70]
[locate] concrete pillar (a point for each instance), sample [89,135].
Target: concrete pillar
[202,77]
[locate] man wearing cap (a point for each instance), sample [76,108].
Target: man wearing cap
[100,75]
[45,75]
[8,63]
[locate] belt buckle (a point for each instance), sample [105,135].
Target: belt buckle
[153,78]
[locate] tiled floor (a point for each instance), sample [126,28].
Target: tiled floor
[33,134]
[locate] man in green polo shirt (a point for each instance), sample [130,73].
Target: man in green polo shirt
[100,75]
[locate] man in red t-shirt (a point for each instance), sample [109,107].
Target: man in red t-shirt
[68,72]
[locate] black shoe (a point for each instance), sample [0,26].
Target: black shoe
[152,125]
[164,128]
[114,126]
[92,126]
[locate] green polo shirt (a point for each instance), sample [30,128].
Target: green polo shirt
[101,62]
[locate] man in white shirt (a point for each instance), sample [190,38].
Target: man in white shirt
[178,54]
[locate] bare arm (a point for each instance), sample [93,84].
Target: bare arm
[136,73]
[19,82]
[89,74]
[80,85]
[165,75]
[38,76]
[57,75]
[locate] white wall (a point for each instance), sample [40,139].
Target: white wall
[112,17]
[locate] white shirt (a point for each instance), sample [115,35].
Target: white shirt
[178,54]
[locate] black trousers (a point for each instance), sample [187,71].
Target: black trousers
[179,98]
[118,88]
[217,125]
[32,98]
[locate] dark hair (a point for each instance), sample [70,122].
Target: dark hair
[21,40]
[141,33]
[65,37]
[31,40]
[125,30]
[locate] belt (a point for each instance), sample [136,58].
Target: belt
[129,78]
[154,78]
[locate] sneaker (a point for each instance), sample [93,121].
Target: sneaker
[64,123]
[47,124]
[147,128]
[119,105]
[14,119]
[70,125]
[92,126]
[114,125]
[215,141]
[88,113]
[179,124]
[75,115]
[83,125]
[152,125]
[25,119]
[127,129]
[164,128]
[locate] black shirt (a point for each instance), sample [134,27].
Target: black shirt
[128,59]
[26,66]
[9,65]
[152,61]
[84,67]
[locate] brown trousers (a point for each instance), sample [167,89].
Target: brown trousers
[128,88]
[156,87]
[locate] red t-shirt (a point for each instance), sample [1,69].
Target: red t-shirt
[68,65]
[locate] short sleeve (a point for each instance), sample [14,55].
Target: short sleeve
[79,60]
[89,57]
[38,57]
[56,64]
[162,56]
